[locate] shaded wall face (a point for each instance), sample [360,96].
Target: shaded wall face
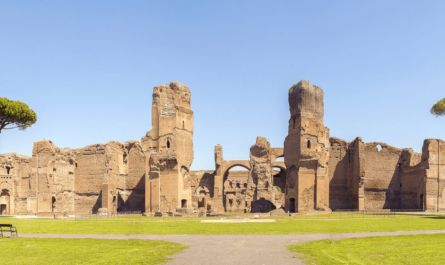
[135,181]
[339,192]
[383,177]
[413,186]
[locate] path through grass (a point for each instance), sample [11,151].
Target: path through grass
[414,249]
[85,251]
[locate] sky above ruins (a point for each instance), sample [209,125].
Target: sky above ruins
[88,69]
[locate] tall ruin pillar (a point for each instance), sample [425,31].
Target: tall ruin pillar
[168,149]
[219,178]
[306,150]
[259,195]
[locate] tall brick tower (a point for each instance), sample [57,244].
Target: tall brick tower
[306,150]
[168,149]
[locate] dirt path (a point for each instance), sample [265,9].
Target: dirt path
[237,249]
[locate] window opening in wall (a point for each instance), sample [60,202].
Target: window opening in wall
[76,164]
[379,147]
[238,185]
[8,170]
[97,148]
[168,144]
[245,185]
[183,204]
[308,144]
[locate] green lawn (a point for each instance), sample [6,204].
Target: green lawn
[282,226]
[415,249]
[85,251]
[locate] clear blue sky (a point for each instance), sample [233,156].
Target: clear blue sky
[88,68]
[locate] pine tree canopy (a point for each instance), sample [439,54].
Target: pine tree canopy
[15,114]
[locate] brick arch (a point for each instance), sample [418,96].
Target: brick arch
[229,164]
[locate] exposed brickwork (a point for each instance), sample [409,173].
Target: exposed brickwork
[319,172]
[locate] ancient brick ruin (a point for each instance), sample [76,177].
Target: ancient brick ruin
[319,172]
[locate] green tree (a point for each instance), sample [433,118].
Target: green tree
[438,109]
[15,114]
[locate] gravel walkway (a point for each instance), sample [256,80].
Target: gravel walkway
[237,249]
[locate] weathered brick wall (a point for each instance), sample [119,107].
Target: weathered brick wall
[89,175]
[383,177]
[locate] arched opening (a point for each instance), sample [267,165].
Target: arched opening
[292,205]
[53,204]
[308,144]
[201,202]
[8,170]
[379,147]
[279,179]
[280,159]
[183,204]
[421,203]
[97,148]
[235,186]
[4,202]
[168,144]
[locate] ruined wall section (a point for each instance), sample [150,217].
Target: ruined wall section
[235,187]
[339,177]
[413,176]
[260,190]
[89,176]
[383,177]
[134,168]
[168,149]
[14,182]
[357,173]
[52,178]
[433,155]
[306,150]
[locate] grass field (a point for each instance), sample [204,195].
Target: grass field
[415,249]
[85,251]
[288,225]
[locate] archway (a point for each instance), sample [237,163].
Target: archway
[4,202]
[234,188]
[279,178]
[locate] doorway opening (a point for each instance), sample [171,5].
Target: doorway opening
[183,204]
[292,205]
